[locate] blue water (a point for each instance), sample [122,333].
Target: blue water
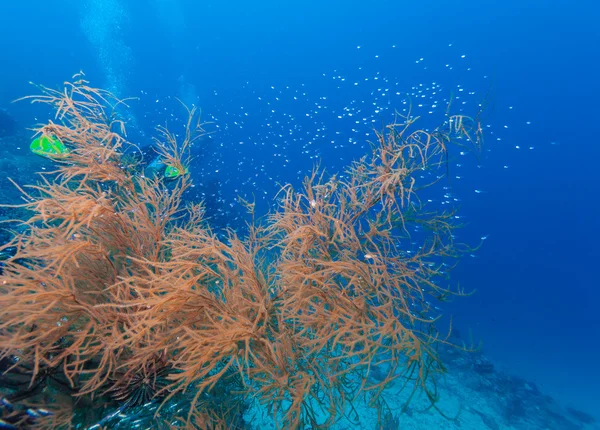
[274,76]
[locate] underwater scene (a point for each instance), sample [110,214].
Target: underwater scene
[299,215]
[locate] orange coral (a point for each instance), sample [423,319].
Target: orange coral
[112,272]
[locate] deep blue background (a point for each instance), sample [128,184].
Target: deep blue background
[536,307]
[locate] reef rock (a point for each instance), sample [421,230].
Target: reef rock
[8,126]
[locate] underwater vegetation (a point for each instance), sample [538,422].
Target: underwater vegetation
[118,296]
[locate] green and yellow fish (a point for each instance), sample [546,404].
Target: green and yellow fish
[49,147]
[172,172]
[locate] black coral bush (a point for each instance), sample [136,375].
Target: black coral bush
[120,295]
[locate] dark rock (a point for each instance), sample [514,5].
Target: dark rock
[489,421]
[581,416]
[483,366]
[8,126]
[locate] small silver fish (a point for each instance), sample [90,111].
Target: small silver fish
[5,425]
[32,413]
[4,402]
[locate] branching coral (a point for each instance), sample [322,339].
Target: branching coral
[128,296]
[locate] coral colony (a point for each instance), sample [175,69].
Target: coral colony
[119,298]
